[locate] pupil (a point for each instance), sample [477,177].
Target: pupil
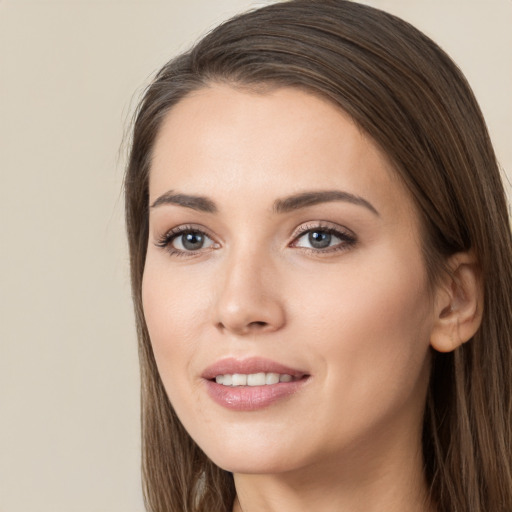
[193,241]
[319,239]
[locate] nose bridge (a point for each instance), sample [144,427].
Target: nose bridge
[248,298]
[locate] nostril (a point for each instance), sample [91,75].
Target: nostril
[244,328]
[258,324]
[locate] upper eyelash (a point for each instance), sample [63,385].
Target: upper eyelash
[322,227]
[347,237]
[342,233]
[165,240]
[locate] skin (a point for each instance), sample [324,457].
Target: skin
[357,317]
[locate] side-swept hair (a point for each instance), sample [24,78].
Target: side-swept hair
[413,101]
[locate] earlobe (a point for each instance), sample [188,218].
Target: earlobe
[458,304]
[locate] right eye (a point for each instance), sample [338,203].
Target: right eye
[191,241]
[185,241]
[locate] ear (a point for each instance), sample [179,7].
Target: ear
[458,304]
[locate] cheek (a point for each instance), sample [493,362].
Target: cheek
[371,327]
[174,310]
[389,298]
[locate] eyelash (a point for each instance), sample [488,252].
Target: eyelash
[165,241]
[347,239]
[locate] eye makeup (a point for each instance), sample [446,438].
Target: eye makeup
[317,238]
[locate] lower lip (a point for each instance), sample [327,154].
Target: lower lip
[252,398]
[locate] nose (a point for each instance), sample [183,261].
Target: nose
[249,300]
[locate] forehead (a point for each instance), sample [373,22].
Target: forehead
[234,143]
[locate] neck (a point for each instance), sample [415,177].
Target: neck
[391,480]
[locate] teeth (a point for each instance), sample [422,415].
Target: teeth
[256,379]
[239,379]
[271,378]
[252,379]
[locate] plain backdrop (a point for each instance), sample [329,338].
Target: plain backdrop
[70,74]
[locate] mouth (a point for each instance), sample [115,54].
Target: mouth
[253,371]
[252,384]
[255,379]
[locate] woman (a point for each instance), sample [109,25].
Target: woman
[321,269]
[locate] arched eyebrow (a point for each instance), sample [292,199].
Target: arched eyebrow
[199,203]
[284,205]
[305,199]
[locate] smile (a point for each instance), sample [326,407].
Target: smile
[251,384]
[253,379]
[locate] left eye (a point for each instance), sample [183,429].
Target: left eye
[322,239]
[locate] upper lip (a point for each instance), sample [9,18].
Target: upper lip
[231,365]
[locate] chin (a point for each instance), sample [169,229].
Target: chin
[251,458]
[256,465]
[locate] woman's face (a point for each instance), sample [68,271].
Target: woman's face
[284,261]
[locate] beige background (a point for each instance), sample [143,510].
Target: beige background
[70,71]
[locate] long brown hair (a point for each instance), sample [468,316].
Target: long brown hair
[407,94]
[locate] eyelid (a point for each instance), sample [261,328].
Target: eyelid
[347,237]
[322,225]
[165,240]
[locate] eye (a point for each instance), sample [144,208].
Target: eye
[191,241]
[324,239]
[185,240]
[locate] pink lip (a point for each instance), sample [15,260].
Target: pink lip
[251,398]
[251,365]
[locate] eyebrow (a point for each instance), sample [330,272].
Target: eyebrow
[199,203]
[285,205]
[305,199]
